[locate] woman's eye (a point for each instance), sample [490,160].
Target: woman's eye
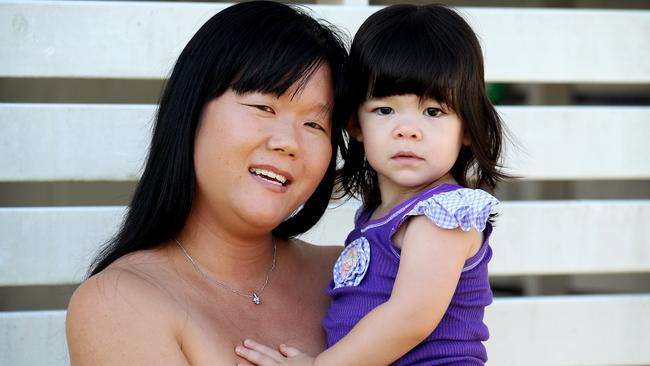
[315,126]
[264,108]
[383,110]
[433,112]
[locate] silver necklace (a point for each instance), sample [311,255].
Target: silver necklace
[255,296]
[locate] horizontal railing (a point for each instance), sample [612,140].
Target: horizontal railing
[142,40]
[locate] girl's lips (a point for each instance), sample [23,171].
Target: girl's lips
[406,155]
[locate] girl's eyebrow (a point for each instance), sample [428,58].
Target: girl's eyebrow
[378,99]
[430,100]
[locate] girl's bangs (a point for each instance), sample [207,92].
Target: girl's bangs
[395,75]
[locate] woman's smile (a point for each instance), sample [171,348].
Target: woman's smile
[271,177]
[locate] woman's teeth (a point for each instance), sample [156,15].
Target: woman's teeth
[269,175]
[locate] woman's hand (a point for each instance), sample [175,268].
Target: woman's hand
[262,355]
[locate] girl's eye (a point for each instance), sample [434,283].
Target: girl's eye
[314,125]
[433,112]
[383,110]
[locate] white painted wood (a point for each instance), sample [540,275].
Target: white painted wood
[521,45]
[567,330]
[572,237]
[571,142]
[96,39]
[53,246]
[31,338]
[46,142]
[564,45]
[546,237]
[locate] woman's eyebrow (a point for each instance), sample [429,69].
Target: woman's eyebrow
[321,108]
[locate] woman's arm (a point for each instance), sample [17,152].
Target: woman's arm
[431,262]
[118,318]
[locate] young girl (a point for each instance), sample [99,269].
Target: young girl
[411,285]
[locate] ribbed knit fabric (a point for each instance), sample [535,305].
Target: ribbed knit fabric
[355,290]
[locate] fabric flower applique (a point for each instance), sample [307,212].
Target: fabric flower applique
[352,264]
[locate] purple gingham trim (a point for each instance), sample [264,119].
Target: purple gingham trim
[352,264]
[465,208]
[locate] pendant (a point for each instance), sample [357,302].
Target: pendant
[256,299]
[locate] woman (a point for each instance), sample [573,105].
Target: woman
[242,159]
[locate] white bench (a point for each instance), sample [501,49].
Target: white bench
[64,142]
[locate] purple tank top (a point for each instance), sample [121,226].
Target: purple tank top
[366,269]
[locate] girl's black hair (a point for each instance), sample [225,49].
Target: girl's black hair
[429,51]
[252,46]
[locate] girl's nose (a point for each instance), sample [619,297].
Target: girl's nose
[283,138]
[407,131]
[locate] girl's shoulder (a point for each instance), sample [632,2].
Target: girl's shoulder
[452,207]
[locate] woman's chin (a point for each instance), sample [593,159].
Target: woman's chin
[266,218]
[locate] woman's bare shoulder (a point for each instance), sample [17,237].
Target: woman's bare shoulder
[122,315]
[319,255]
[134,279]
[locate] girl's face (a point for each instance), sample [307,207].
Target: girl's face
[258,157]
[411,142]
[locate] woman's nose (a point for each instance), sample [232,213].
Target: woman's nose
[283,138]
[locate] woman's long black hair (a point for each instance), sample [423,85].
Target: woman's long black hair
[429,51]
[252,46]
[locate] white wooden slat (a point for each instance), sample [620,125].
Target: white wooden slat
[96,39]
[142,40]
[572,237]
[568,330]
[45,142]
[571,142]
[52,246]
[563,45]
[29,338]
[547,237]
[49,142]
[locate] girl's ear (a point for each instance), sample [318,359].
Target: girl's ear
[466,140]
[354,129]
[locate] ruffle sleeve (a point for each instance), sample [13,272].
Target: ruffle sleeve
[465,208]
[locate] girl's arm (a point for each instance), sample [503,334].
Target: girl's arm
[431,262]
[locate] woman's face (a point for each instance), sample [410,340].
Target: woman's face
[258,157]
